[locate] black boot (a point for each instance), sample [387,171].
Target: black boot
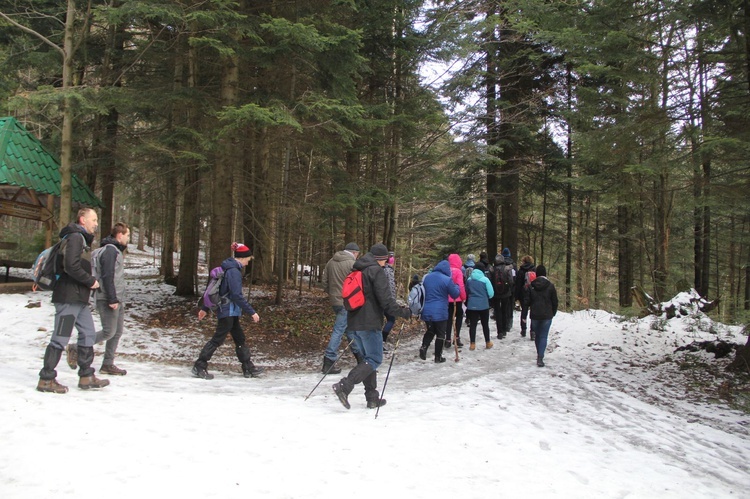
[249,370]
[328,367]
[52,357]
[439,351]
[371,393]
[423,352]
[344,387]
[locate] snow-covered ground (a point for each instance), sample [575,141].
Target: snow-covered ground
[596,422]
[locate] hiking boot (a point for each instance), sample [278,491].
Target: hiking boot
[51,386]
[472,346]
[488,345]
[251,371]
[439,360]
[342,395]
[374,404]
[72,351]
[423,352]
[328,367]
[523,334]
[200,372]
[112,370]
[86,382]
[540,361]
[533,335]
[459,343]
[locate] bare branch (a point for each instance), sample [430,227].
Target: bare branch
[32,32]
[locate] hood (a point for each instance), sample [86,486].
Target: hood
[230,263]
[470,262]
[528,266]
[477,274]
[342,256]
[111,240]
[455,261]
[366,261]
[72,228]
[540,283]
[443,267]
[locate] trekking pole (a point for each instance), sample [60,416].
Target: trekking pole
[455,328]
[329,368]
[393,356]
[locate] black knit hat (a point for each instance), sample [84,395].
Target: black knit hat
[379,251]
[541,271]
[352,247]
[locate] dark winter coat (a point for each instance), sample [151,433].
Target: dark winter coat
[438,286]
[521,280]
[74,284]
[378,298]
[231,287]
[542,299]
[112,272]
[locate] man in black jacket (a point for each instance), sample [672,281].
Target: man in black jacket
[71,299]
[365,326]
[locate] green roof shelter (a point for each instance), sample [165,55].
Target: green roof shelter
[30,177]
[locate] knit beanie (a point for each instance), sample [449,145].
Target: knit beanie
[352,247]
[241,251]
[541,271]
[506,252]
[379,251]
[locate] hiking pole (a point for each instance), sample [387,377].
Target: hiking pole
[385,383]
[329,369]
[455,328]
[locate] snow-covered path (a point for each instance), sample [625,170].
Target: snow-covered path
[491,425]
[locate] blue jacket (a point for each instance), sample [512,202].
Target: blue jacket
[438,286]
[232,287]
[479,290]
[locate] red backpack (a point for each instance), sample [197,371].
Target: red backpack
[353,291]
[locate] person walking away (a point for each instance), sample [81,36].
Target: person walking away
[366,324]
[110,297]
[228,316]
[521,294]
[390,273]
[334,273]
[479,292]
[505,269]
[71,299]
[438,289]
[456,306]
[543,305]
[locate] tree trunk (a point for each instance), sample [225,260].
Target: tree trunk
[66,152]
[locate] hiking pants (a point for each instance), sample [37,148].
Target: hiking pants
[112,326]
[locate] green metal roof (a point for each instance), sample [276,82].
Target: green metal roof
[24,162]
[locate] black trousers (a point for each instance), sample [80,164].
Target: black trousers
[227,325]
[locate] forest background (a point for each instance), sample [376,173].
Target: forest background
[607,139]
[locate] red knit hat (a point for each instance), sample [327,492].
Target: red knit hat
[241,251]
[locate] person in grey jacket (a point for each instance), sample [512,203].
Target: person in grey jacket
[110,297]
[71,299]
[365,325]
[336,270]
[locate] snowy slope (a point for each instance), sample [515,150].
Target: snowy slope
[607,418]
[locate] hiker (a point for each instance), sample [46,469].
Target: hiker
[228,316]
[365,326]
[479,292]
[504,300]
[390,273]
[71,299]
[110,297]
[543,305]
[438,288]
[521,293]
[456,306]
[334,273]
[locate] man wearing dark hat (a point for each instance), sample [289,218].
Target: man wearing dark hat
[336,270]
[365,326]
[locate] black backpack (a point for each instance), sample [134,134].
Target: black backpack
[503,280]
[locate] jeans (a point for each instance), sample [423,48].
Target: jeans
[389,322]
[339,328]
[541,331]
[370,346]
[112,326]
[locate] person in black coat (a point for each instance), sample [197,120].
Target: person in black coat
[543,305]
[527,264]
[365,327]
